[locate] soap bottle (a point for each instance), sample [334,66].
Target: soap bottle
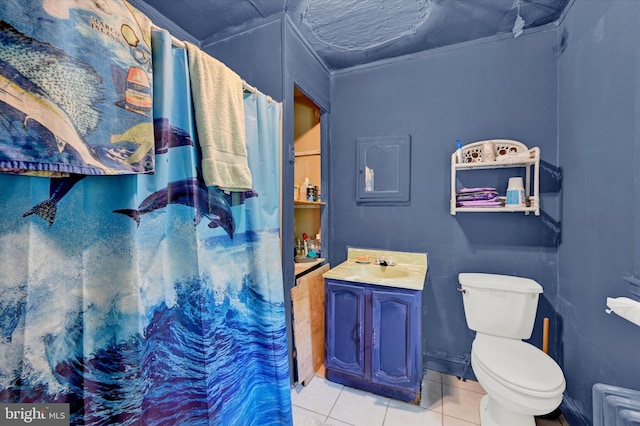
[312,250]
[459,151]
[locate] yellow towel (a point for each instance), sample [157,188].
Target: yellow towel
[219,112]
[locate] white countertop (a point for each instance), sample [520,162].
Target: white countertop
[356,270]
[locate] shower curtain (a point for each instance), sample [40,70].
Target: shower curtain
[149,299]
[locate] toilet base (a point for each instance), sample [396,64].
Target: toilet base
[492,413]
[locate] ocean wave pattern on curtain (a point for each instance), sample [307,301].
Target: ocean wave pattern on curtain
[150,299]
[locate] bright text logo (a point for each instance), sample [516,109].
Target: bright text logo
[36,414]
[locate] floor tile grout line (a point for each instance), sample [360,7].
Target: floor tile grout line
[311,411]
[441,400]
[469,390]
[458,418]
[386,410]
[451,383]
[334,404]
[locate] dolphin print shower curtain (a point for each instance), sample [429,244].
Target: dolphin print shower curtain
[149,299]
[76,88]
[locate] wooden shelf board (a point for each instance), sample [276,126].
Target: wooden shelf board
[303,204]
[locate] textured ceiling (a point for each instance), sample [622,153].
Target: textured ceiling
[345,33]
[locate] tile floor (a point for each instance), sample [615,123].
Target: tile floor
[446,401]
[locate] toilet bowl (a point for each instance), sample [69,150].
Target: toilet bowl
[521,381]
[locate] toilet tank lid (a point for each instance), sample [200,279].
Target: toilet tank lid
[499,282]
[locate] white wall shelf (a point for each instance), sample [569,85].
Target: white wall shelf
[499,154]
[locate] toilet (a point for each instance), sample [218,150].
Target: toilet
[521,381]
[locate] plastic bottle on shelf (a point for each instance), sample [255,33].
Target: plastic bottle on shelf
[311,193]
[312,250]
[515,192]
[304,191]
[318,245]
[459,151]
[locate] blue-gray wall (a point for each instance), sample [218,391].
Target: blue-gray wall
[255,55]
[301,68]
[504,88]
[599,118]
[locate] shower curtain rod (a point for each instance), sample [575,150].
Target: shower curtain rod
[245,86]
[174,41]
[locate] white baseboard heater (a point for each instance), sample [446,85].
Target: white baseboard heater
[615,406]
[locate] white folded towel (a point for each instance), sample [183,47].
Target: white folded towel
[219,113]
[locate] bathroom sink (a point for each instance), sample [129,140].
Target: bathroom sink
[409,270]
[377,271]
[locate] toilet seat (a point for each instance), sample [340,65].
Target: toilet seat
[518,365]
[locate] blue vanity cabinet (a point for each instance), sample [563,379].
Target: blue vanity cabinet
[344,344]
[395,341]
[373,338]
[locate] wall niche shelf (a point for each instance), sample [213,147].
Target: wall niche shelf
[499,154]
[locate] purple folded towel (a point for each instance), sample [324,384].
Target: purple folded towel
[477,197]
[480,203]
[467,190]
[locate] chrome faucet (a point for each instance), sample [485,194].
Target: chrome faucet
[382,261]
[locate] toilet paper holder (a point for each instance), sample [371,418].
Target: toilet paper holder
[624,307]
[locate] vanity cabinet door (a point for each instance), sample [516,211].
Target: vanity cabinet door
[395,337]
[345,327]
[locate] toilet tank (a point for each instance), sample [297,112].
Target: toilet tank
[500,305]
